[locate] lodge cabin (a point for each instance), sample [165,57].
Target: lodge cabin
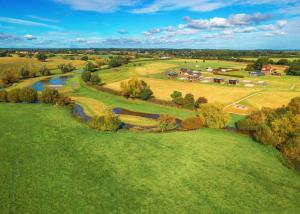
[219,80]
[256,73]
[189,75]
[267,69]
[172,74]
[233,81]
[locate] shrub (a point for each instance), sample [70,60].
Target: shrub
[32,74]
[100,62]
[10,77]
[192,123]
[117,61]
[64,101]
[28,95]
[49,95]
[189,101]
[44,71]
[200,101]
[95,79]
[89,66]
[292,148]
[135,88]
[13,95]
[41,56]
[84,58]
[108,122]
[214,116]
[177,97]
[24,73]
[3,96]
[167,123]
[86,76]
[65,68]
[294,68]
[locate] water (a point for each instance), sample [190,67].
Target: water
[54,82]
[79,113]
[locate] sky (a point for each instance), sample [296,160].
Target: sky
[196,24]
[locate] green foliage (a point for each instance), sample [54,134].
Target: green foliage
[200,101]
[89,66]
[192,123]
[65,68]
[28,95]
[189,101]
[49,96]
[294,69]
[117,61]
[95,79]
[277,127]
[167,123]
[41,56]
[86,76]
[260,62]
[24,73]
[13,96]
[84,58]
[3,95]
[108,122]
[214,116]
[135,88]
[177,97]
[283,62]
[44,71]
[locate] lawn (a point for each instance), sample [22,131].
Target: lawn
[51,163]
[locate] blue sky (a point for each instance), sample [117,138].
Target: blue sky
[209,24]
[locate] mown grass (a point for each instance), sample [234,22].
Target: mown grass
[50,163]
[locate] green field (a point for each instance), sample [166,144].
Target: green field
[49,162]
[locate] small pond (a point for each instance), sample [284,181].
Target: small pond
[54,82]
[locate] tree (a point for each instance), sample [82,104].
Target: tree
[135,88]
[177,97]
[95,79]
[84,58]
[294,69]
[89,66]
[100,62]
[108,122]
[41,56]
[167,123]
[44,71]
[192,124]
[24,73]
[214,116]
[65,68]
[3,95]
[10,77]
[283,62]
[189,101]
[117,61]
[260,62]
[49,96]
[200,101]
[13,95]
[28,95]
[86,76]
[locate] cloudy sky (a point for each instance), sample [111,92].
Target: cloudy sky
[211,24]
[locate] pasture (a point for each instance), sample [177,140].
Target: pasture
[49,161]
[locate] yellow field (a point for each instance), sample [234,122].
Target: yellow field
[138,121]
[271,99]
[153,68]
[91,106]
[16,63]
[214,93]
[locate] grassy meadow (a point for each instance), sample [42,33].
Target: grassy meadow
[51,162]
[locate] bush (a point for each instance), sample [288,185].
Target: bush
[214,116]
[3,96]
[177,97]
[65,68]
[89,66]
[86,76]
[84,58]
[192,124]
[95,79]
[24,73]
[200,101]
[135,88]
[13,95]
[108,122]
[64,101]
[44,71]
[28,95]
[167,123]
[41,56]
[10,77]
[49,95]
[117,61]
[189,101]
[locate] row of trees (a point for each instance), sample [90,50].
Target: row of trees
[277,127]
[30,95]
[188,101]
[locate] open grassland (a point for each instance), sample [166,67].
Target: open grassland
[49,162]
[215,93]
[32,64]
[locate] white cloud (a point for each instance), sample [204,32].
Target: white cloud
[98,5]
[42,18]
[26,22]
[122,31]
[29,37]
